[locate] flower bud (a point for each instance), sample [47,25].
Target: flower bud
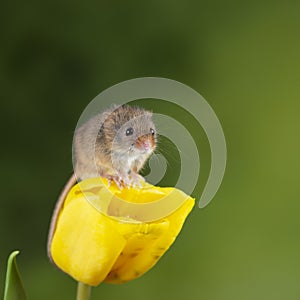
[99,240]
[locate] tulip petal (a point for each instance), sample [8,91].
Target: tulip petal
[79,246]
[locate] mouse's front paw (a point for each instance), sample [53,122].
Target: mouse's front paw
[118,180]
[125,181]
[136,180]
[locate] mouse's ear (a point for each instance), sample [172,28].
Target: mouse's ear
[148,113]
[106,115]
[108,118]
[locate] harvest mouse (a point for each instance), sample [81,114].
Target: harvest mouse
[115,144]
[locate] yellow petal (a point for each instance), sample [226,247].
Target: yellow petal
[93,247]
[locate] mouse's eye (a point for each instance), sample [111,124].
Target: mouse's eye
[152,131]
[129,131]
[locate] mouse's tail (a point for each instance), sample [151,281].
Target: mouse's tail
[60,201]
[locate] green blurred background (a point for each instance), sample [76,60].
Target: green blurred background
[242,56]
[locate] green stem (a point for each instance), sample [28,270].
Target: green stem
[83,291]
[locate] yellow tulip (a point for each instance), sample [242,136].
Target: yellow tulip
[107,239]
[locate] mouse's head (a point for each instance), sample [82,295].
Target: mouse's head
[131,131]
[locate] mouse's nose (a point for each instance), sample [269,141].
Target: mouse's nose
[146,145]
